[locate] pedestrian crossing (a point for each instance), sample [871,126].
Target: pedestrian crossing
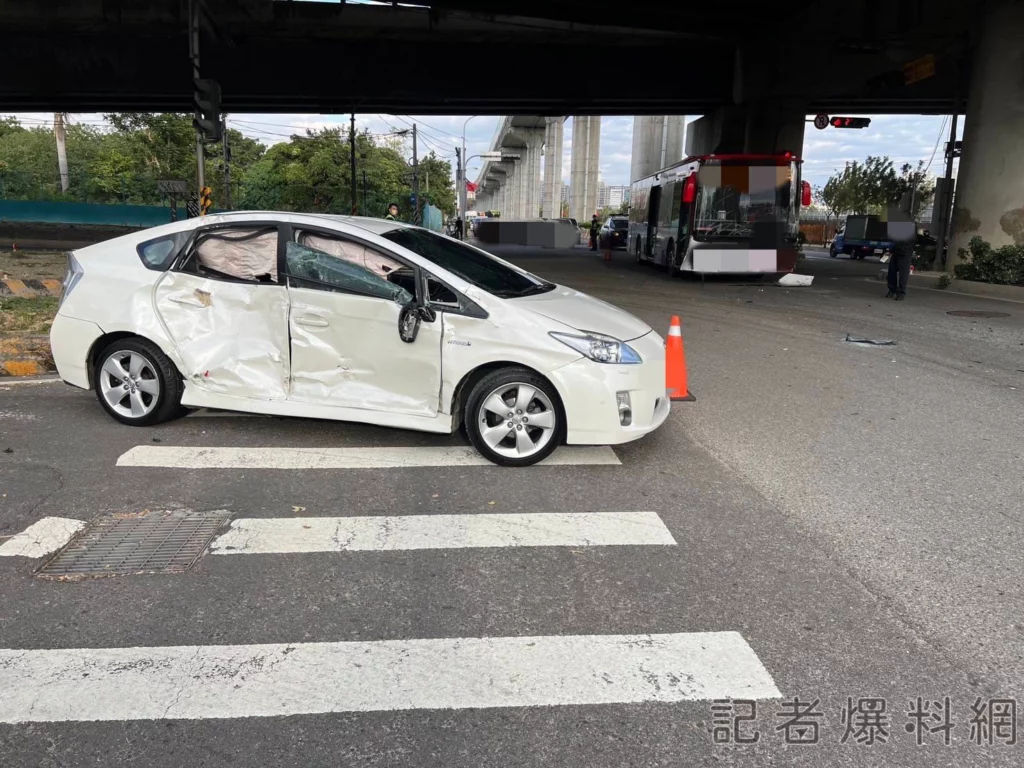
[391,533]
[291,678]
[182,457]
[223,681]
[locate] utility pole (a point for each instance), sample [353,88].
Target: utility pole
[364,192]
[946,215]
[415,180]
[352,153]
[193,44]
[460,183]
[227,167]
[62,151]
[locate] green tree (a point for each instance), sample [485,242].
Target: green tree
[918,182]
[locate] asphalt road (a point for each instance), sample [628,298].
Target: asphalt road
[853,513]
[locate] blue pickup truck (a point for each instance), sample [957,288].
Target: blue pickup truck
[861,236]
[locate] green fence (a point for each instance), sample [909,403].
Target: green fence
[96,214]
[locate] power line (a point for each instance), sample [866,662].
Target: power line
[942,130]
[439,130]
[424,133]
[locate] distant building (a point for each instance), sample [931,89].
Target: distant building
[611,197]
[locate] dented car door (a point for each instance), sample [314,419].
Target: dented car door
[226,312]
[346,349]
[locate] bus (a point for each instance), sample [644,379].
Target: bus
[736,214]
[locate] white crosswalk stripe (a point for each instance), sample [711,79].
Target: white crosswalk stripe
[220,681]
[183,457]
[42,537]
[339,534]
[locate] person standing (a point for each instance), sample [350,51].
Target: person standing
[595,228]
[458,227]
[902,231]
[392,212]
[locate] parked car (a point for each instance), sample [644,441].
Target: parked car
[352,319]
[614,232]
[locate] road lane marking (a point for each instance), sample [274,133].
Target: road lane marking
[9,382]
[183,457]
[249,536]
[225,681]
[42,537]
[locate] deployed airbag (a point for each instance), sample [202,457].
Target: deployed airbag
[244,254]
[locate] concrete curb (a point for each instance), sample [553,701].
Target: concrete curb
[26,354]
[963,287]
[14,287]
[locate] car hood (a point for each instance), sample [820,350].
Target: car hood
[585,313]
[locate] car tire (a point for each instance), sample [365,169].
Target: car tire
[157,401]
[488,431]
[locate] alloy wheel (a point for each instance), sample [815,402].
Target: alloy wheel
[517,420]
[129,384]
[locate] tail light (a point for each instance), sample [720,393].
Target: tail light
[71,278]
[805,189]
[690,188]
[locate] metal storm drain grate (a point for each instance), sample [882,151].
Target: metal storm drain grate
[976,313]
[144,542]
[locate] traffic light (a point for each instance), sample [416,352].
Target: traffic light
[851,122]
[205,201]
[207,109]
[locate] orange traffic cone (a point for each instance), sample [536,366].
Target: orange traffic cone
[675,363]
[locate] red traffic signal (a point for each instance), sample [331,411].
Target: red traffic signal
[851,122]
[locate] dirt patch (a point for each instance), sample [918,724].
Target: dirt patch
[29,265]
[27,314]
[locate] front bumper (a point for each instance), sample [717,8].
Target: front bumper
[588,391]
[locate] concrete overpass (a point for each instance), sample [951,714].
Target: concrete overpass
[510,185]
[752,73]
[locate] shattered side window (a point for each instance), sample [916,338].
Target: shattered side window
[313,268]
[347,250]
[241,254]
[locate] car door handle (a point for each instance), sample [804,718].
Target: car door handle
[311,321]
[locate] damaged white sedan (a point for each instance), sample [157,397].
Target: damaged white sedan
[356,320]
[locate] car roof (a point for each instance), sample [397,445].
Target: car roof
[373,225]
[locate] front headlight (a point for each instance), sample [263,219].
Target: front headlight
[599,348]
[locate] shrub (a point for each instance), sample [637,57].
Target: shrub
[985,264]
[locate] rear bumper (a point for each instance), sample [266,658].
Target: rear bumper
[70,342]
[588,391]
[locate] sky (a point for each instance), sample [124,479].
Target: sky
[904,138]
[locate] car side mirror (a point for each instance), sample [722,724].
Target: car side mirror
[427,314]
[409,322]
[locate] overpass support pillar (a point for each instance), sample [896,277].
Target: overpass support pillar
[989,199]
[657,143]
[531,172]
[586,156]
[515,188]
[552,202]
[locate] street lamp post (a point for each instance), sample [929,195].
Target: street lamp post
[462,172]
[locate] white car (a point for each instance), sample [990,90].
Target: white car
[356,320]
